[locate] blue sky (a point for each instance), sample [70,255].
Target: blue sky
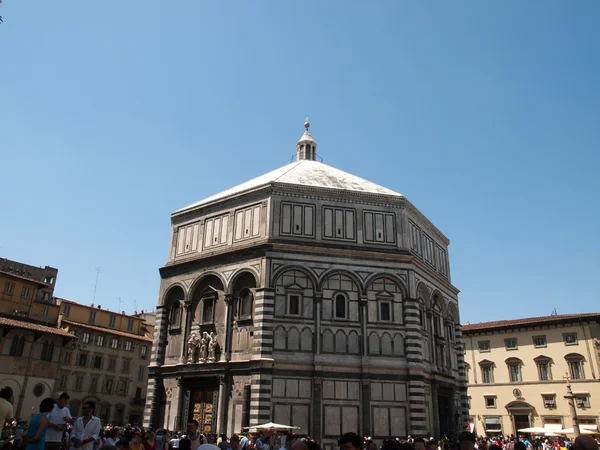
[484,114]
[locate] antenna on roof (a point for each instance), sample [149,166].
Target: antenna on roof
[98,272]
[120,301]
[554,313]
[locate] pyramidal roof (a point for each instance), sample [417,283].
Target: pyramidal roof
[304,172]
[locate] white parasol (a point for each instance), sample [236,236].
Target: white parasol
[275,426]
[533,430]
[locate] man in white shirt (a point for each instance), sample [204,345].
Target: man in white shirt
[86,429]
[57,422]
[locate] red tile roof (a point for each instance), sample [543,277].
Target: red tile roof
[31,280]
[107,330]
[530,321]
[34,327]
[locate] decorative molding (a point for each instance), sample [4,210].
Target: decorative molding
[364,275]
[188,282]
[317,270]
[227,274]
[350,200]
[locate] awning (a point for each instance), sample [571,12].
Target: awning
[553,427]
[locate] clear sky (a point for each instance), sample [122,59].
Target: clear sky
[486,115]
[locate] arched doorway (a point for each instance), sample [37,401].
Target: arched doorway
[521,415]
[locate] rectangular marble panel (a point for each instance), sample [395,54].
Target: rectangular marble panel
[188,238]
[256,221]
[305,389]
[379,228]
[398,422]
[332,420]
[247,222]
[309,220]
[300,418]
[349,419]
[353,390]
[195,231]
[328,222]
[180,240]
[381,421]
[286,219]
[326,309]
[339,223]
[372,311]
[283,414]
[388,392]
[224,230]
[237,421]
[239,225]
[280,305]
[278,387]
[397,306]
[390,229]
[375,391]
[216,230]
[328,389]
[291,388]
[400,392]
[353,311]
[341,390]
[368,228]
[349,219]
[297,229]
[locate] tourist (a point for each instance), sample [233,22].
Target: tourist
[151,443]
[6,408]
[466,440]
[113,438]
[350,441]
[136,441]
[86,429]
[585,442]
[57,422]
[194,436]
[38,426]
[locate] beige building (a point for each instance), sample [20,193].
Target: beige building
[108,363]
[516,372]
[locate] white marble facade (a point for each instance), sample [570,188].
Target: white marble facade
[330,303]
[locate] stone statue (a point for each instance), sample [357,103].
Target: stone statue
[204,346]
[212,347]
[192,346]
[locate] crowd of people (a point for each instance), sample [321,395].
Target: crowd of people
[53,428]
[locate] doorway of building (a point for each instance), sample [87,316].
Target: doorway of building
[445,415]
[203,409]
[521,421]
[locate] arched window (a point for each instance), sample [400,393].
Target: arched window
[487,371]
[543,364]
[340,307]
[245,303]
[175,319]
[16,347]
[47,351]
[514,369]
[208,308]
[575,362]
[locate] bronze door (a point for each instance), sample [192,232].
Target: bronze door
[202,409]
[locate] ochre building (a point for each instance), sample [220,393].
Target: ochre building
[518,372]
[312,297]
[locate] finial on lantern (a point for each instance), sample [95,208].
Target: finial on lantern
[306,124]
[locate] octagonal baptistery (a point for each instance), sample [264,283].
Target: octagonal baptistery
[309,297]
